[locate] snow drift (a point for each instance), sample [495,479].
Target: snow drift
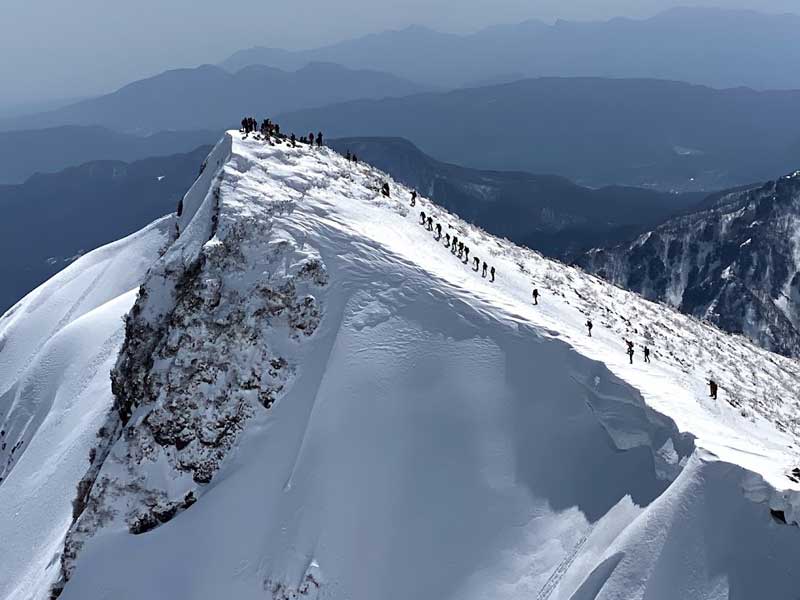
[315,398]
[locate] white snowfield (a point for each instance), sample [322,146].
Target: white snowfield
[440,437]
[57,346]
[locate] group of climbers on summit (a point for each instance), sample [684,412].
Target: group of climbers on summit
[269,130]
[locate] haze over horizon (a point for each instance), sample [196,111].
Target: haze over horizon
[64,51]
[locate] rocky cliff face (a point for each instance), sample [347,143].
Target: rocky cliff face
[735,264]
[209,345]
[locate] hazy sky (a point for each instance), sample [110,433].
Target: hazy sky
[53,49]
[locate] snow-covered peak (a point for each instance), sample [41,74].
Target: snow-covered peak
[316,398]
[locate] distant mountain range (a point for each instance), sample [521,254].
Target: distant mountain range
[24,153]
[81,208]
[548,213]
[209,97]
[661,134]
[715,47]
[736,263]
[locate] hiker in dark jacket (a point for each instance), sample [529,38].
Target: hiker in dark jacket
[460,249]
[430,223]
[589,327]
[535,296]
[477,264]
[294,141]
[385,189]
[712,385]
[422,217]
[466,255]
[438,231]
[492,272]
[485,267]
[446,240]
[630,350]
[646,354]
[319,140]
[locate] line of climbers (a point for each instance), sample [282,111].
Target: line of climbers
[457,247]
[269,130]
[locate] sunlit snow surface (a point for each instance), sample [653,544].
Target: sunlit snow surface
[443,437]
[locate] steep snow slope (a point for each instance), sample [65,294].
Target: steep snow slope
[736,264]
[316,399]
[56,348]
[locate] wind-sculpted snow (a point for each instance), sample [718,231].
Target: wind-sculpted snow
[56,348]
[317,399]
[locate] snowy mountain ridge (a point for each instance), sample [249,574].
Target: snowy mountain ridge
[736,263]
[315,398]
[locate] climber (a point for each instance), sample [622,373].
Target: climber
[460,249]
[630,350]
[311,139]
[294,141]
[466,255]
[355,158]
[414,199]
[477,264]
[438,231]
[535,296]
[447,240]
[589,326]
[430,223]
[492,272]
[385,190]
[646,354]
[348,156]
[422,217]
[319,139]
[485,266]
[713,389]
